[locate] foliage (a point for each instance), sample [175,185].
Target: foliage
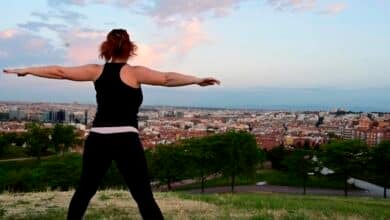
[276,156]
[38,139]
[202,158]
[300,163]
[3,145]
[380,163]
[63,137]
[345,158]
[238,154]
[168,163]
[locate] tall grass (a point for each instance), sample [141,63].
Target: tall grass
[117,204]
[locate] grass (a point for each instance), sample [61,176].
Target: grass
[116,204]
[272,177]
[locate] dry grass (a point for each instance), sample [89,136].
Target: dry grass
[113,204]
[117,204]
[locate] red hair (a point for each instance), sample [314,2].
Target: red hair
[117,46]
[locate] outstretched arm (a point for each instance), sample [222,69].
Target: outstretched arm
[79,73]
[145,75]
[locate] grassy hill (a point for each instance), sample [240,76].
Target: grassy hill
[116,204]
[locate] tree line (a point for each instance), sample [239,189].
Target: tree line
[346,158]
[231,155]
[39,141]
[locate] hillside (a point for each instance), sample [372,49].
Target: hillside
[115,204]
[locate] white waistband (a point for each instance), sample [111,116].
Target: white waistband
[111,130]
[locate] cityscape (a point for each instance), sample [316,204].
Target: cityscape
[164,125]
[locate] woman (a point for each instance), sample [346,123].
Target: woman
[114,132]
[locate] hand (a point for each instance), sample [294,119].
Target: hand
[208,81]
[19,72]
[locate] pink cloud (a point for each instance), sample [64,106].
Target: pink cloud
[149,55]
[188,35]
[191,35]
[82,45]
[335,8]
[9,33]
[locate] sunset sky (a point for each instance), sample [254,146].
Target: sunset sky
[253,46]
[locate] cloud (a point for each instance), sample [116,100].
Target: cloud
[37,26]
[164,11]
[56,3]
[334,8]
[173,10]
[119,3]
[9,33]
[186,31]
[150,55]
[70,17]
[293,5]
[82,45]
[191,34]
[19,48]
[188,35]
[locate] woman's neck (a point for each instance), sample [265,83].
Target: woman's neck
[118,61]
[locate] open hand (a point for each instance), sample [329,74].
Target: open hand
[15,71]
[208,81]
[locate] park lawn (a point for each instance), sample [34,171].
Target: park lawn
[272,177]
[115,204]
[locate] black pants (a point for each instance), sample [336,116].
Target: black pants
[126,150]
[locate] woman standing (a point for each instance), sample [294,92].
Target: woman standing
[114,133]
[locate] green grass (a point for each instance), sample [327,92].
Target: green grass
[277,206]
[118,204]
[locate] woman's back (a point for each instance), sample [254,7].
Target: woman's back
[117,103]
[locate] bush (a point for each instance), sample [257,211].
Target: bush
[10,152]
[53,173]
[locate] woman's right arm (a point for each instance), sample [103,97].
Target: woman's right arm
[145,75]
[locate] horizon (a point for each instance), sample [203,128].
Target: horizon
[270,53]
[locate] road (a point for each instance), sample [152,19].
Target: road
[282,189]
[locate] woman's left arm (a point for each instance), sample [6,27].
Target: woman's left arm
[88,72]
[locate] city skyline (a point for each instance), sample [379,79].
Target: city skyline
[327,53]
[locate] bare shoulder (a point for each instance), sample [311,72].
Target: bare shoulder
[145,75]
[94,67]
[130,75]
[137,69]
[93,71]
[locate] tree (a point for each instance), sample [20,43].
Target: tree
[276,156]
[345,158]
[3,144]
[380,161]
[14,138]
[149,160]
[201,157]
[300,162]
[238,154]
[168,163]
[37,139]
[63,137]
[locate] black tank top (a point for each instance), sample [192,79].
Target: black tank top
[117,103]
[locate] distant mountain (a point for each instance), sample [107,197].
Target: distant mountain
[370,99]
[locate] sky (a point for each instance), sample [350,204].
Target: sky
[267,53]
